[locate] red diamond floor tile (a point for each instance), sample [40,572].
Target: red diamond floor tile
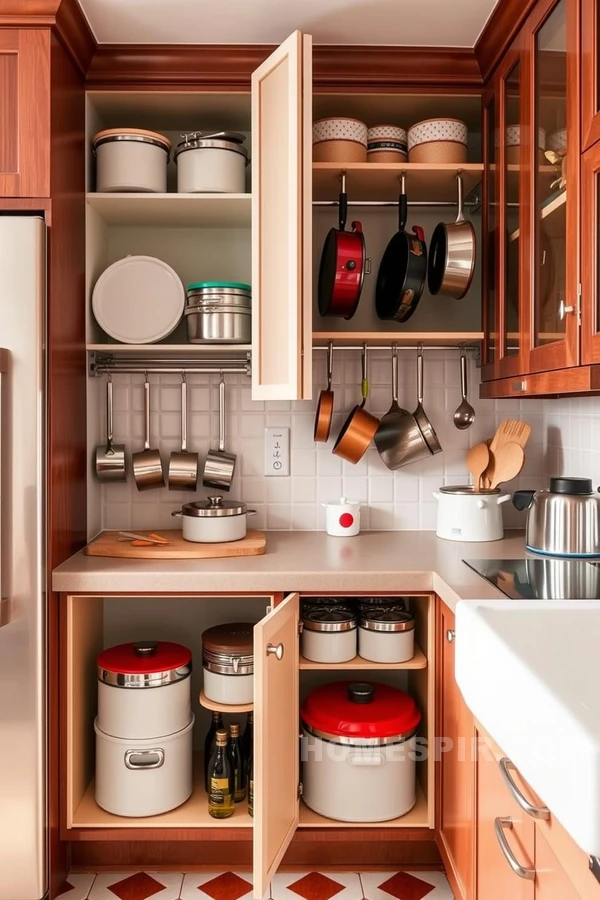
[316,886]
[227,886]
[137,887]
[403,886]
[67,886]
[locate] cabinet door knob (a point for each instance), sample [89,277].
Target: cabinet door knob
[564,310]
[275,650]
[450,635]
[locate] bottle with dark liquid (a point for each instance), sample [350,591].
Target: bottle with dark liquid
[248,737]
[250,776]
[210,742]
[220,780]
[236,757]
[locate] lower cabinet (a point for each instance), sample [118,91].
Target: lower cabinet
[551,880]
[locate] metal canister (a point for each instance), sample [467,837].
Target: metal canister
[219,311]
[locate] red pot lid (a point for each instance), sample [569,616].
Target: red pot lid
[360,710]
[144,657]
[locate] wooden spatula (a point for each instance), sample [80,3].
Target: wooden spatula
[511,430]
[509,459]
[478,458]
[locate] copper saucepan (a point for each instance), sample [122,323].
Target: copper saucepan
[359,428]
[324,413]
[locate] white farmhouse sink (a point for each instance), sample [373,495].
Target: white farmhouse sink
[530,673]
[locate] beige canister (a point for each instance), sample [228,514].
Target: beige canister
[339,140]
[438,141]
[387,144]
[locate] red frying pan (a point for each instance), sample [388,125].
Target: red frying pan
[342,269]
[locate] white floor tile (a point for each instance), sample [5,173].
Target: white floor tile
[80,885]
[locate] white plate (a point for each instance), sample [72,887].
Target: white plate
[138,300]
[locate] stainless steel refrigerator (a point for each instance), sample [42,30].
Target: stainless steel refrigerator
[23,738]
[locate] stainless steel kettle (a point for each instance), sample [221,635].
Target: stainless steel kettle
[562,521]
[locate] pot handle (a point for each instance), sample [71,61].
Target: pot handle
[481,504]
[522,499]
[419,233]
[144,759]
[434,494]
[251,512]
[503,498]
[177,514]
[374,758]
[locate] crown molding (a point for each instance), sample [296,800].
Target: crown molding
[499,33]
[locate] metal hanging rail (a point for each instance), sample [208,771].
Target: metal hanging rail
[394,203]
[101,364]
[464,347]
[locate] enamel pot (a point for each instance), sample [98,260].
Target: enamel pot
[343,266]
[213,520]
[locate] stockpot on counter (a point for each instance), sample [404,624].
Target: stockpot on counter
[464,514]
[214,520]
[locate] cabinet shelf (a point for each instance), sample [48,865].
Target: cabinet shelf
[379,181]
[224,707]
[554,226]
[416,818]
[174,210]
[419,661]
[410,338]
[189,351]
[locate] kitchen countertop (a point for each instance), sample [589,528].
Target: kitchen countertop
[401,561]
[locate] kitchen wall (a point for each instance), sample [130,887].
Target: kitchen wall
[398,501]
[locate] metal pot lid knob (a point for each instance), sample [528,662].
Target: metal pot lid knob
[145,648]
[361,692]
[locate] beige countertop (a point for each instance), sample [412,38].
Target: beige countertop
[401,561]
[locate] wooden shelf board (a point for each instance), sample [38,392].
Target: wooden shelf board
[411,338]
[224,707]
[379,181]
[558,230]
[192,814]
[416,818]
[187,350]
[419,661]
[183,210]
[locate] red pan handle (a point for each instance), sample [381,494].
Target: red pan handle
[418,231]
[357,226]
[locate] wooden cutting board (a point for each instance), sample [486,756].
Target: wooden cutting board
[107,544]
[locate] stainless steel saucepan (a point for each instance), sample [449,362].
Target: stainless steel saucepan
[220,465]
[110,459]
[399,439]
[452,253]
[183,465]
[147,464]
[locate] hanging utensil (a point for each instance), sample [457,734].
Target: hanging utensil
[427,429]
[399,440]
[111,464]
[465,414]
[183,465]
[359,428]
[478,459]
[343,265]
[452,254]
[324,412]
[403,268]
[147,464]
[220,465]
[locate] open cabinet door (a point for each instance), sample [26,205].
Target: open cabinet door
[276,743]
[282,223]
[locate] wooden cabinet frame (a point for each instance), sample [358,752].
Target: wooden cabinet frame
[590,232]
[590,99]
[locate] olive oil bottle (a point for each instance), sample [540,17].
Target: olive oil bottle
[220,780]
[248,737]
[250,775]
[210,742]
[238,763]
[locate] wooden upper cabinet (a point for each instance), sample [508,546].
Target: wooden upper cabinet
[25,112]
[282,223]
[590,248]
[276,741]
[455,769]
[590,72]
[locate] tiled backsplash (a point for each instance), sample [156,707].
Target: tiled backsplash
[400,500]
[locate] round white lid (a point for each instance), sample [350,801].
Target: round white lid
[138,300]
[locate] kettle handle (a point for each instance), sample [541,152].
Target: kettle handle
[522,499]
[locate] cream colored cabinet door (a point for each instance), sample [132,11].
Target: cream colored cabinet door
[276,741]
[282,223]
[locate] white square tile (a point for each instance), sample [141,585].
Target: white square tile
[278,490]
[381,490]
[77,885]
[381,516]
[304,462]
[279,516]
[327,464]
[297,885]
[172,882]
[304,490]
[304,516]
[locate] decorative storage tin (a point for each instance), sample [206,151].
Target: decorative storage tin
[438,141]
[211,162]
[358,751]
[328,634]
[339,140]
[143,777]
[144,689]
[513,145]
[387,144]
[131,159]
[386,634]
[219,311]
[228,663]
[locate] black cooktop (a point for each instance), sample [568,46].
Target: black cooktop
[540,578]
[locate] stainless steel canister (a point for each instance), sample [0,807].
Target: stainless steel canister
[219,311]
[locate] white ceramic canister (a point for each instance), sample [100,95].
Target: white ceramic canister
[144,689]
[131,160]
[386,634]
[342,519]
[213,520]
[143,777]
[211,162]
[358,751]
[228,663]
[328,634]
[463,515]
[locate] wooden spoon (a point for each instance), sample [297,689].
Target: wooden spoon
[478,458]
[509,459]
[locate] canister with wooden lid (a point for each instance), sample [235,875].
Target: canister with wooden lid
[131,160]
[228,663]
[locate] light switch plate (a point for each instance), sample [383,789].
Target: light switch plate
[277,451]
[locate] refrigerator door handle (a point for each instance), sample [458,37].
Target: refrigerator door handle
[4,579]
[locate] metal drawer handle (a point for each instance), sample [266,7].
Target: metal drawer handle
[522,871]
[275,650]
[450,635]
[144,759]
[536,812]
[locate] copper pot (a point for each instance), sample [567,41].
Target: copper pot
[359,428]
[324,413]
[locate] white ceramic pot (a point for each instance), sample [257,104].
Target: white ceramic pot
[131,160]
[354,778]
[213,520]
[342,519]
[143,777]
[463,515]
[328,634]
[144,689]
[228,663]
[386,635]
[214,164]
